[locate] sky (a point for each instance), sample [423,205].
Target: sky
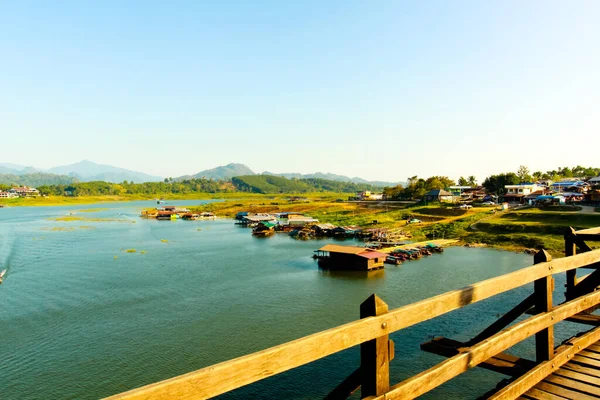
[381,89]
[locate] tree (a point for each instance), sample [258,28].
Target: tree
[472,181]
[496,183]
[463,182]
[393,192]
[523,174]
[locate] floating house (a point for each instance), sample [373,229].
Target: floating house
[355,258]
[264,229]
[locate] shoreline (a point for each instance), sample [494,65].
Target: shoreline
[514,231]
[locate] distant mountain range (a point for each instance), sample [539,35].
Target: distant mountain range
[226,172]
[223,173]
[87,171]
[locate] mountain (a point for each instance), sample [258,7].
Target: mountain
[35,179]
[278,184]
[334,177]
[224,172]
[14,169]
[87,171]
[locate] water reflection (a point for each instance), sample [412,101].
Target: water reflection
[352,275]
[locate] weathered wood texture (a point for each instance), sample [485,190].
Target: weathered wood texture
[220,378]
[543,288]
[564,354]
[448,369]
[374,354]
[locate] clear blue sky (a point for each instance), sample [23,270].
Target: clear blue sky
[377,89]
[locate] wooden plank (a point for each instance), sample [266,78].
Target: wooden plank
[541,395]
[589,231]
[590,354]
[585,361]
[502,363]
[374,354]
[232,374]
[506,319]
[579,376]
[584,370]
[558,390]
[570,251]
[562,356]
[448,369]
[587,319]
[574,385]
[347,387]
[543,288]
[595,347]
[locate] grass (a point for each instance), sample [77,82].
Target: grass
[597,209]
[131,251]
[530,228]
[67,200]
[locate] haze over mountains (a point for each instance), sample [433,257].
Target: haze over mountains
[87,171]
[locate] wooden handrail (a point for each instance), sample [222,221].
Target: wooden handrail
[229,375]
[471,357]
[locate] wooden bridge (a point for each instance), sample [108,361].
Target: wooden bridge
[571,370]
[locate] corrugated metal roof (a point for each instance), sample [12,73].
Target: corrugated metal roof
[334,248]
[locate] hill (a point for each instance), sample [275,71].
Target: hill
[36,179]
[278,184]
[222,173]
[88,171]
[334,177]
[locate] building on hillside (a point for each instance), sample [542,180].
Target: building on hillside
[438,195]
[333,256]
[376,196]
[24,191]
[531,198]
[570,185]
[8,195]
[594,181]
[457,191]
[522,188]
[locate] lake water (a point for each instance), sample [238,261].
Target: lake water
[82,318]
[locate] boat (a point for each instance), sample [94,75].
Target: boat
[393,260]
[2,275]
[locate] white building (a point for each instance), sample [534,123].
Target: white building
[7,195]
[24,191]
[523,189]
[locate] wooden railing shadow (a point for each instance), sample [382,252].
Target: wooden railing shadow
[372,331]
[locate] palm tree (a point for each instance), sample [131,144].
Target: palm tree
[472,181]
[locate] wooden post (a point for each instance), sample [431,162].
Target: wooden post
[570,250]
[543,287]
[375,354]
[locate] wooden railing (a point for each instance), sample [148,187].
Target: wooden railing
[372,331]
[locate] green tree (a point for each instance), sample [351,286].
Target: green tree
[495,183]
[523,174]
[463,182]
[472,181]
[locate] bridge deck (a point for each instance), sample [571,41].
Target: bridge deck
[577,379]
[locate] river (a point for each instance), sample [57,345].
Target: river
[82,318]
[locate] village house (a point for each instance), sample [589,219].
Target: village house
[8,195]
[24,191]
[439,195]
[594,181]
[516,193]
[570,185]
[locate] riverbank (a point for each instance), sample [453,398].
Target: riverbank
[518,230]
[52,201]
[509,230]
